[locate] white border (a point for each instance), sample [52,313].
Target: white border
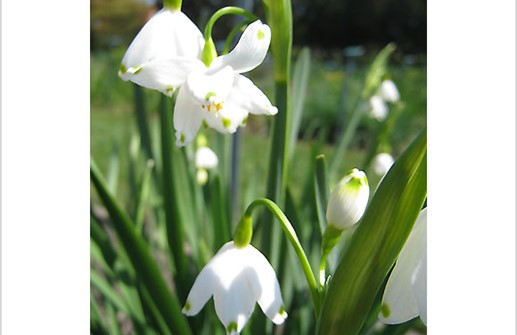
[471,122]
[45,162]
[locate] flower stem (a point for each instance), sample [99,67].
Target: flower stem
[172,4]
[224,11]
[293,238]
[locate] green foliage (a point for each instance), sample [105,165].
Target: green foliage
[154,227]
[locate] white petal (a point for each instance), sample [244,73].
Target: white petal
[200,292]
[187,118]
[164,75]
[167,34]
[250,97]
[250,51]
[268,291]
[378,108]
[206,158]
[227,119]
[210,88]
[399,301]
[236,303]
[420,289]
[389,91]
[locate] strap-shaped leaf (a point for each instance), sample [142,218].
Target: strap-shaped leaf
[141,259]
[376,243]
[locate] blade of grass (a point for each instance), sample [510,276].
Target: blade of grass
[141,258]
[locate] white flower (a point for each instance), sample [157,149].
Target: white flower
[382,162]
[389,91]
[348,200]
[405,295]
[216,96]
[205,158]
[378,108]
[168,35]
[237,278]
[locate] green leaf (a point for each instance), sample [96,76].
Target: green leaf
[300,81]
[321,191]
[376,242]
[140,257]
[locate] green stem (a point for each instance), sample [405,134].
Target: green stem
[224,11]
[231,36]
[293,238]
[172,4]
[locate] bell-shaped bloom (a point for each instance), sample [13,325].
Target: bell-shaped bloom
[348,200]
[237,278]
[168,35]
[388,91]
[378,108]
[405,295]
[205,158]
[218,96]
[382,162]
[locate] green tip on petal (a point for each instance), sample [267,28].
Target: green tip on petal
[232,327]
[186,308]
[282,311]
[244,121]
[385,310]
[260,34]
[205,124]
[123,69]
[227,122]
[182,138]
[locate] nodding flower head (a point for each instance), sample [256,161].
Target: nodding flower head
[237,277]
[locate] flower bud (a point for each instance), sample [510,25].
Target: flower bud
[389,91]
[348,200]
[378,108]
[382,162]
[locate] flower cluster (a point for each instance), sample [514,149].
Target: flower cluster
[166,56]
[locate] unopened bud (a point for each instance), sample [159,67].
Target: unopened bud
[348,200]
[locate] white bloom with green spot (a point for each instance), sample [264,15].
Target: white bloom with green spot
[216,96]
[405,295]
[169,36]
[237,278]
[348,200]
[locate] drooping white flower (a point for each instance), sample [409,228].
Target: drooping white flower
[378,108]
[405,295]
[205,158]
[218,96]
[348,200]
[237,278]
[168,36]
[388,91]
[382,162]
